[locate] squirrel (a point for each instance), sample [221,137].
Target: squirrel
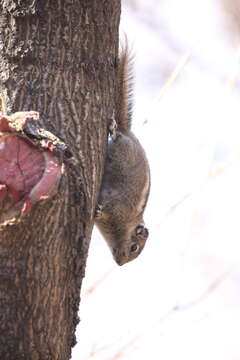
[126,179]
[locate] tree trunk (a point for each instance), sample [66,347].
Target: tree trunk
[58,58]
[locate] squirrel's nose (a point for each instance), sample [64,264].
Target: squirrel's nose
[120,262]
[120,258]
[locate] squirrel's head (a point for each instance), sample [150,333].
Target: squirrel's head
[130,247]
[126,239]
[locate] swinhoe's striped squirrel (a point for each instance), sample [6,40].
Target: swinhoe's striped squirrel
[126,181]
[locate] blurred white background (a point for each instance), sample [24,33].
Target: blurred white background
[181,297]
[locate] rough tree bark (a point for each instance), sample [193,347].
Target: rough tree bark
[57,58]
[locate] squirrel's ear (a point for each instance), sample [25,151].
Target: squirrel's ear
[141,231]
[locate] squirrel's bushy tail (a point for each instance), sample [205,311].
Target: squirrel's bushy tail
[124,90]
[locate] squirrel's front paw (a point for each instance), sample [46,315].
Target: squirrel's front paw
[98,211]
[113,129]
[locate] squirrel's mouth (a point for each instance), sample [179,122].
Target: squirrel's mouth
[119,257]
[120,262]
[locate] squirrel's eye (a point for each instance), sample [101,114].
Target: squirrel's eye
[134,248]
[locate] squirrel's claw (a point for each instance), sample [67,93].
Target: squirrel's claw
[113,129]
[98,211]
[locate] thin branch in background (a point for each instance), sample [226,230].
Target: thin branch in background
[98,282]
[175,73]
[214,172]
[118,354]
[207,292]
[125,348]
[233,80]
[176,308]
[225,165]
[176,205]
[234,77]
[96,350]
[172,78]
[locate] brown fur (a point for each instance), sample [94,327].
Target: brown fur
[126,180]
[124,92]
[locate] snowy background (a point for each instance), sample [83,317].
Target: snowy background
[180,299]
